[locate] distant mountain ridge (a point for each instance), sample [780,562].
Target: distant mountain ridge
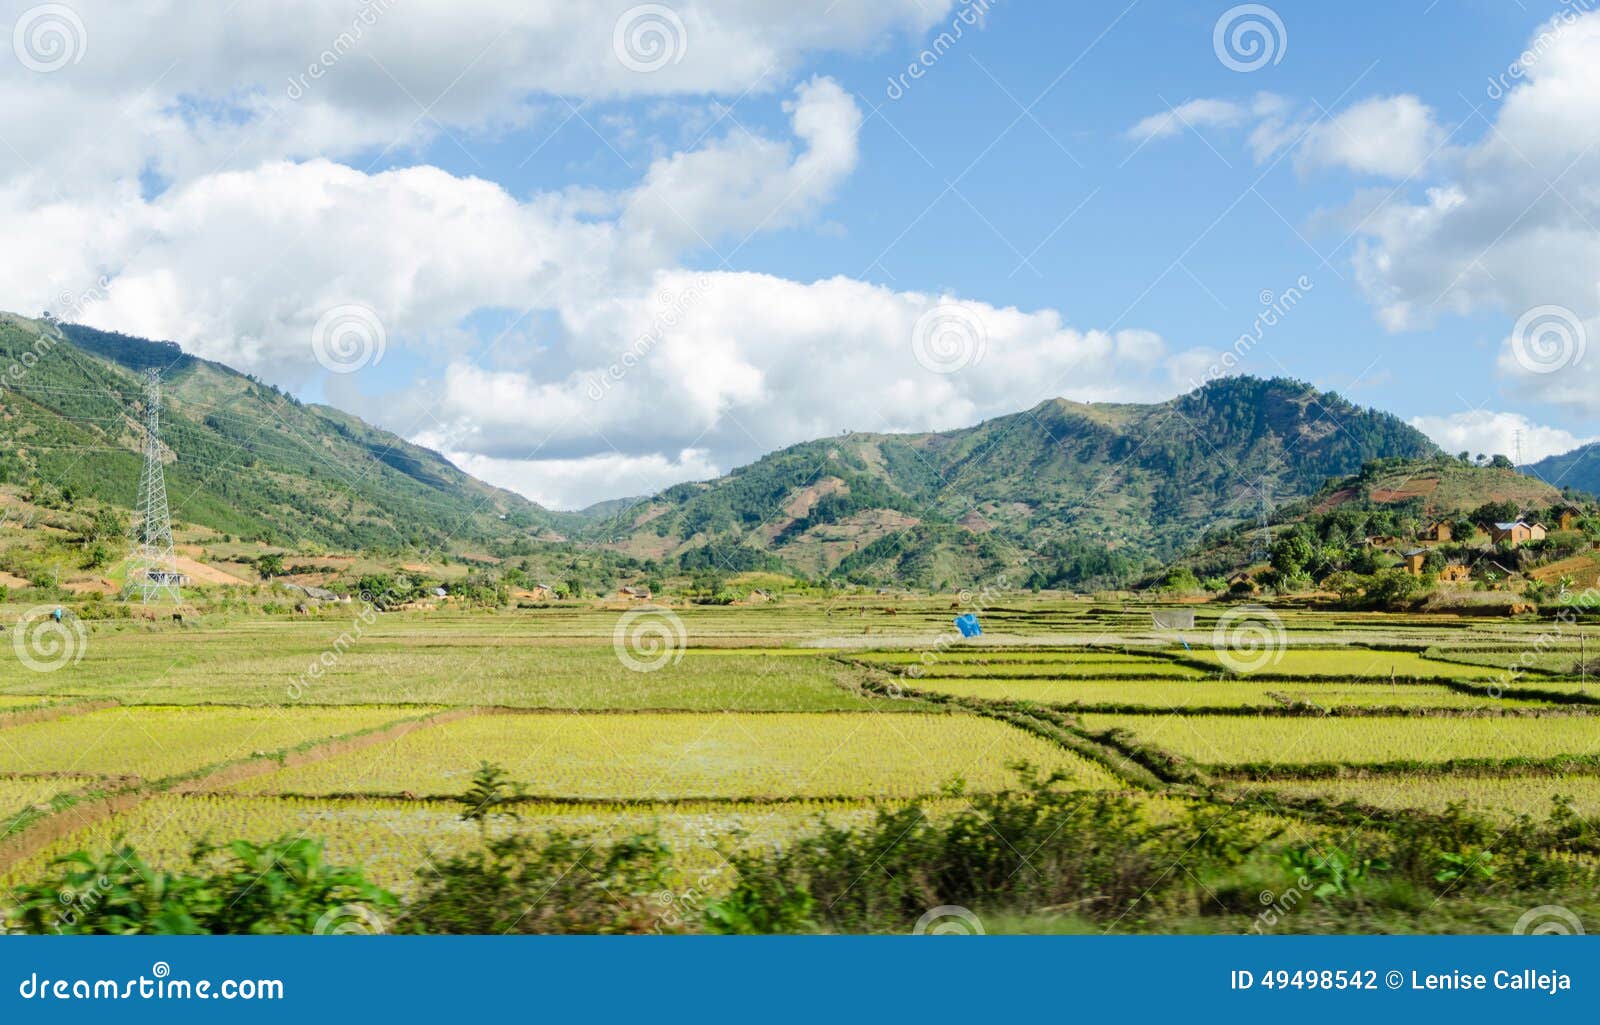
[1057,494]
[242,457]
[1063,494]
[1578,469]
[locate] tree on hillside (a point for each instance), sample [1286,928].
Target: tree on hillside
[105,524]
[1496,512]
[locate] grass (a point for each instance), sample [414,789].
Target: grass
[396,839]
[1132,669]
[510,661]
[1347,663]
[156,742]
[1029,656]
[1499,797]
[12,701]
[20,795]
[684,756]
[1246,740]
[1200,694]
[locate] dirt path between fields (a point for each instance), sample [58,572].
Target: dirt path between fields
[35,836]
[237,771]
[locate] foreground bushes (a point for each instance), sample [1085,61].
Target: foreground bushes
[278,887]
[1040,853]
[1042,847]
[554,884]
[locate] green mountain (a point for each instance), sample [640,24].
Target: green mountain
[241,457]
[1064,494]
[1578,469]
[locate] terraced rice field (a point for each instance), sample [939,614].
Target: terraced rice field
[1239,740]
[687,756]
[18,793]
[13,701]
[770,717]
[395,839]
[1169,694]
[158,741]
[1042,667]
[521,666]
[1496,796]
[1347,663]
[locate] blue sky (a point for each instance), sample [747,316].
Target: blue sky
[510,212]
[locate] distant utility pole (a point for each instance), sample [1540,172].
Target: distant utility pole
[154,570]
[1517,444]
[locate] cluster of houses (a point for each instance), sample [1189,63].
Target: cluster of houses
[1514,534]
[1414,555]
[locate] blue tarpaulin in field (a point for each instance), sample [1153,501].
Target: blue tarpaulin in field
[968,625]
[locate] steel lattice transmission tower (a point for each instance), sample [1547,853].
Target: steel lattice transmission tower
[154,571]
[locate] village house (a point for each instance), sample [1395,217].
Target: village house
[1440,533]
[1567,517]
[636,593]
[1415,560]
[1515,534]
[1455,573]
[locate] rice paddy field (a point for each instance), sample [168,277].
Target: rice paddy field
[1156,695]
[1223,741]
[750,724]
[398,841]
[1500,797]
[738,755]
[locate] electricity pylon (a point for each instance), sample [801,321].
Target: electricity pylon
[154,570]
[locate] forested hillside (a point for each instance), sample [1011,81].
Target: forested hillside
[1064,494]
[240,456]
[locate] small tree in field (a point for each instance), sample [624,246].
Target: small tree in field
[492,794]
